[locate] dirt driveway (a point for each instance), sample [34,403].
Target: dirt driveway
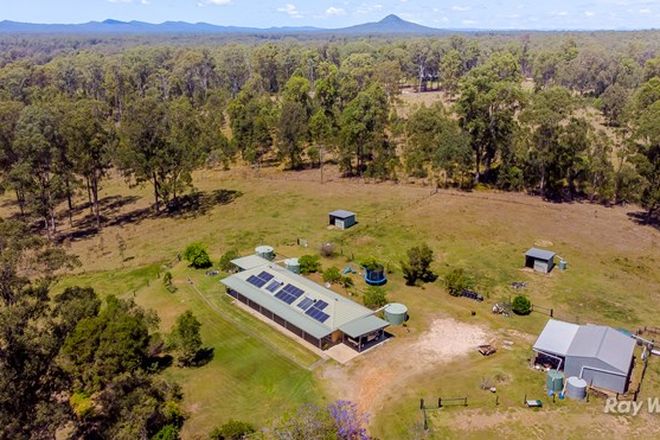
[370,378]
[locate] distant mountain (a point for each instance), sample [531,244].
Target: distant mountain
[389,25]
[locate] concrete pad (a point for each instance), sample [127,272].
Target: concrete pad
[342,353]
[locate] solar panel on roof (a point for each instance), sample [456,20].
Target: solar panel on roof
[282,295]
[293,290]
[273,286]
[320,304]
[306,303]
[317,314]
[256,281]
[265,276]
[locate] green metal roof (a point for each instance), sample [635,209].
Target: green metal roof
[276,306]
[341,310]
[249,262]
[362,326]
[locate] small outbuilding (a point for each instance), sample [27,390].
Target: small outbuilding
[600,355]
[249,262]
[540,260]
[342,219]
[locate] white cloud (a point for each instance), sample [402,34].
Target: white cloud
[589,13]
[214,2]
[291,10]
[366,8]
[645,11]
[460,8]
[469,22]
[334,12]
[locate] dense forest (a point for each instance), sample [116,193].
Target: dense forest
[562,116]
[516,115]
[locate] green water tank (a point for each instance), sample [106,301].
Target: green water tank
[555,381]
[292,264]
[396,314]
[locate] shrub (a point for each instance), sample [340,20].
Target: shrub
[521,305]
[167,282]
[372,265]
[331,275]
[81,403]
[185,338]
[225,261]
[418,265]
[457,280]
[196,255]
[309,264]
[167,432]
[374,297]
[232,430]
[346,282]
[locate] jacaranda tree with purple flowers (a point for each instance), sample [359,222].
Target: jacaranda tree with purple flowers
[350,422]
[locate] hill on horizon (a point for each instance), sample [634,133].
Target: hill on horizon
[392,24]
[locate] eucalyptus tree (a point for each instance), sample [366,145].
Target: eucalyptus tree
[362,134]
[490,96]
[42,175]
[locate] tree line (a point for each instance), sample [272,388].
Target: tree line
[518,115]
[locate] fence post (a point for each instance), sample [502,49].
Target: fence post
[466,402]
[421,403]
[552,313]
[497,400]
[439,402]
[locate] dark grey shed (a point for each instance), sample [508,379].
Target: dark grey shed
[540,260]
[342,219]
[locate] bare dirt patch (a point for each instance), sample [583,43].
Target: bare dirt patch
[375,375]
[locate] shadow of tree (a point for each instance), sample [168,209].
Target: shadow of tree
[160,363]
[199,203]
[187,206]
[107,206]
[204,356]
[642,218]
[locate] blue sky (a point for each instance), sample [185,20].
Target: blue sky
[494,14]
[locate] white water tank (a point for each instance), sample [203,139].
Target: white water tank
[266,252]
[576,388]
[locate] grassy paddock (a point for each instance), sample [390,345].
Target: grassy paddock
[612,279]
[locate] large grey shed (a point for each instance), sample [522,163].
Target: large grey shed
[540,260]
[342,219]
[600,355]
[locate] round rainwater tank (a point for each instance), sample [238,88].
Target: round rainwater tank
[576,388]
[292,264]
[266,252]
[555,381]
[396,314]
[563,265]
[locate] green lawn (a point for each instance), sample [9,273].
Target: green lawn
[255,374]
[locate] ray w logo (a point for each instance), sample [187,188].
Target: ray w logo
[613,406]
